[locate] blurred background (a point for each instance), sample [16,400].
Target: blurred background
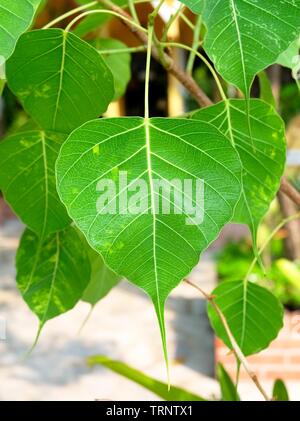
[123,325]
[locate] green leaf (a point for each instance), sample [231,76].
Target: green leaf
[52,274]
[119,63]
[253,314]
[195,5]
[280,392]
[228,389]
[95,21]
[262,155]
[290,57]
[27,179]
[153,248]
[61,81]
[246,36]
[265,86]
[15,18]
[102,280]
[151,384]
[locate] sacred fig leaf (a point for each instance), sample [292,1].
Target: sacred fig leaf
[52,274]
[15,18]
[195,5]
[253,314]
[119,63]
[262,154]
[94,21]
[102,280]
[155,193]
[27,179]
[245,36]
[61,80]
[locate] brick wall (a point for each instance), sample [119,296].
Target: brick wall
[280,360]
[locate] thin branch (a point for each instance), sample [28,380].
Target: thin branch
[237,350]
[290,191]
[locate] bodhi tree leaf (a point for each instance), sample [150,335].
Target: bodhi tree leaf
[254,315]
[61,80]
[27,179]
[159,388]
[262,155]
[151,244]
[119,63]
[245,36]
[52,274]
[195,5]
[15,18]
[102,280]
[93,22]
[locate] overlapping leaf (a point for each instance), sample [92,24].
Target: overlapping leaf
[52,274]
[15,18]
[151,247]
[262,154]
[27,179]
[102,280]
[253,314]
[245,36]
[119,63]
[195,5]
[61,80]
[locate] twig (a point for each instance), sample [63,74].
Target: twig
[290,191]
[237,350]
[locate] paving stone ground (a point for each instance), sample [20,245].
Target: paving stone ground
[122,326]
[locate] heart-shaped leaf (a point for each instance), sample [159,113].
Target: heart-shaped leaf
[253,314]
[246,36]
[15,18]
[152,244]
[27,179]
[61,80]
[52,274]
[262,155]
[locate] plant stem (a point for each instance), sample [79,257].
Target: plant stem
[133,11]
[109,12]
[138,49]
[70,13]
[207,63]
[148,65]
[237,350]
[195,45]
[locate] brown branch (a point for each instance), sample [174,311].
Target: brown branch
[189,83]
[290,191]
[237,350]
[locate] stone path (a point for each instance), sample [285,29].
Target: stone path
[123,326]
